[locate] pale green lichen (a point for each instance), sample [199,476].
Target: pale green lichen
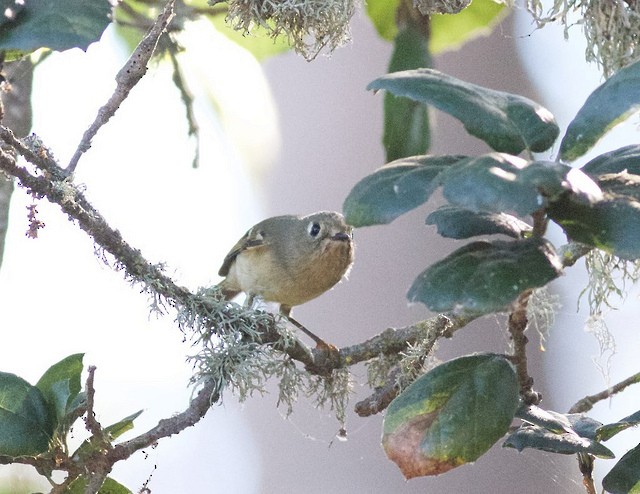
[230,352]
[309,25]
[611,28]
[609,277]
[541,313]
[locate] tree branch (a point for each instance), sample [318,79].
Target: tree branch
[126,79]
[518,323]
[587,403]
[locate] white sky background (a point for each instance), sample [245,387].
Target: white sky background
[59,299]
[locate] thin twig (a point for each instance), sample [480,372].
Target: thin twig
[186,97]
[126,79]
[587,403]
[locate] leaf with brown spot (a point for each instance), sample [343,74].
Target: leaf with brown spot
[451,415]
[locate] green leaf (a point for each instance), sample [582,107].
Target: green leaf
[611,103]
[606,432]
[620,184]
[25,424]
[110,486]
[489,183]
[406,122]
[501,182]
[122,426]
[455,222]
[259,43]
[60,384]
[394,189]
[485,277]
[624,477]
[383,15]
[111,432]
[550,420]
[611,224]
[583,425]
[58,25]
[451,415]
[533,436]
[451,31]
[506,122]
[626,158]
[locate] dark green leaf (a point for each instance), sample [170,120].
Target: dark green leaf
[620,184]
[451,31]
[611,224]
[25,424]
[60,384]
[9,12]
[608,431]
[507,122]
[455,222]
[583,425]
[406,122]
[624,477]
[394,189]
[58,25]
[626,158]
[110,486]
[383,15]
[452,415]
[484,277]
[611,103]
[550,420]
[501,182]
[532,436]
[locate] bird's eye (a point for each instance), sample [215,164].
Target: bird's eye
[314,229]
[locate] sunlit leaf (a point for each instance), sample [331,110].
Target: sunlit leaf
[499,182]
[259,43]
[506,122]
[451,31]
[383,15]
[451,415]
[485,277]
[610,104]
[550,420]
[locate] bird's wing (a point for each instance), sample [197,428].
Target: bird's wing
[250,240]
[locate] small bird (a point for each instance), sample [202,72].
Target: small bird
[289,259]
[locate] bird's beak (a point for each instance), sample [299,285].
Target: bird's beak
[342,237]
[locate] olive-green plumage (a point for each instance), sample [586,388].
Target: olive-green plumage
[289,259]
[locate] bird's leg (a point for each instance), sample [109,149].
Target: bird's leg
[285,310]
